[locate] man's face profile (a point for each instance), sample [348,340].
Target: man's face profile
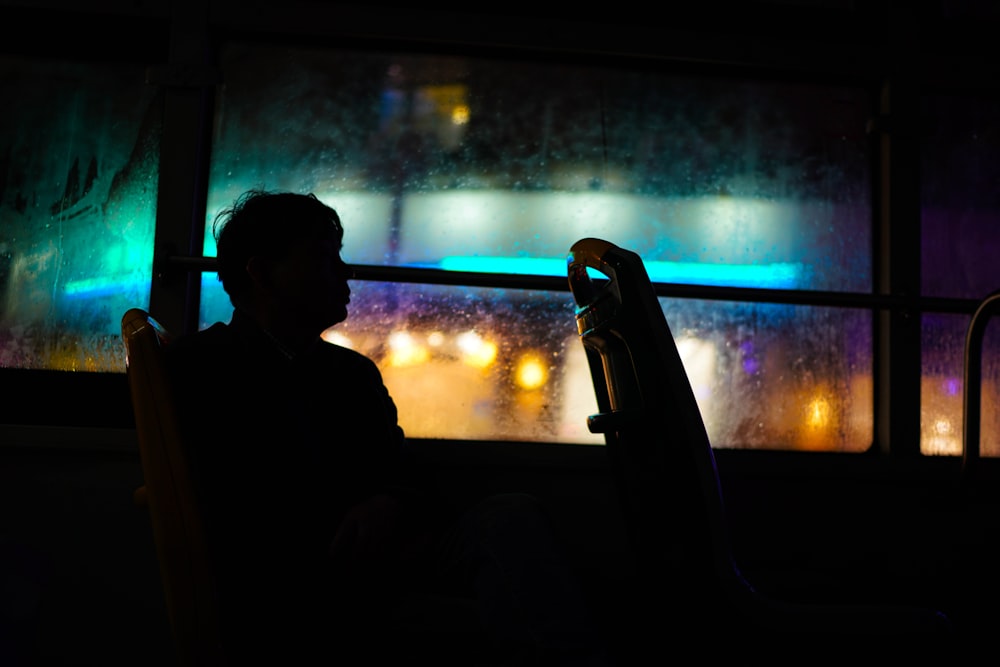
[308,284]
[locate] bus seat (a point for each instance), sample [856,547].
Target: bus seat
[168,493]
[665,470]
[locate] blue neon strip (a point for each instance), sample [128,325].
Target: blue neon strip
[89,288]
[779,275]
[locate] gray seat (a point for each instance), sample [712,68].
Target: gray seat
[178,531]
[665,469]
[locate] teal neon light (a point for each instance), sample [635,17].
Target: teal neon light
[779,275]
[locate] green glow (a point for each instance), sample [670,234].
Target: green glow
[116,278]
[779,275]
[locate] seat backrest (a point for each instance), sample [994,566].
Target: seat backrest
[665,467]
[656,439]
[178,532]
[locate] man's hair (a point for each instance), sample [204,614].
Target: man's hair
[266,224]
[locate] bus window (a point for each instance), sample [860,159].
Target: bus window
[960,212]
[77,209]
[496,167]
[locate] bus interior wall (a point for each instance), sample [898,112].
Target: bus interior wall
[82,585]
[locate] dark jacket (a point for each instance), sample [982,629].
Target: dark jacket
[281,447]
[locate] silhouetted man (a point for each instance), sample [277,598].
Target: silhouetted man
[314,521]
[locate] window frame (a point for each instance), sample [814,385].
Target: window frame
[862,46]
[176,268]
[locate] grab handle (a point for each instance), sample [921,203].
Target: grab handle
[972,386]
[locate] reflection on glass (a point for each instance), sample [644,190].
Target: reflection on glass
[77,209]
[493,364]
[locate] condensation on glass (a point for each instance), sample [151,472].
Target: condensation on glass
[77,206]
[960,216]
[499,166]
[942,394]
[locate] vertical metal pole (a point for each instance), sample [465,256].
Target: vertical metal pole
[188,86]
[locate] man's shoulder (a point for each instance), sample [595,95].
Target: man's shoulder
[345,358]
[345,354]
[197,349]
[216,335]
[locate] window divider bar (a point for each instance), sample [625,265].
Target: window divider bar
[431,276]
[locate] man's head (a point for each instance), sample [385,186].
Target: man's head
[279,260]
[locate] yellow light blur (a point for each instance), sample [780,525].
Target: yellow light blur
[435,339]
[460,114]
[337,338]
[405,351]
[942,426]
[476,351]
[942,440]
[940,417]
[531,372]
[819,421]
[818,413]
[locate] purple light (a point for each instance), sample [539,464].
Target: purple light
[750,363]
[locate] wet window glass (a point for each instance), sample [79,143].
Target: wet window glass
[960,197]
[507,364]
[960,218]
[79,145]
[498,167]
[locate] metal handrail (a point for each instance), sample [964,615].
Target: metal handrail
[433,276]
[972,384]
